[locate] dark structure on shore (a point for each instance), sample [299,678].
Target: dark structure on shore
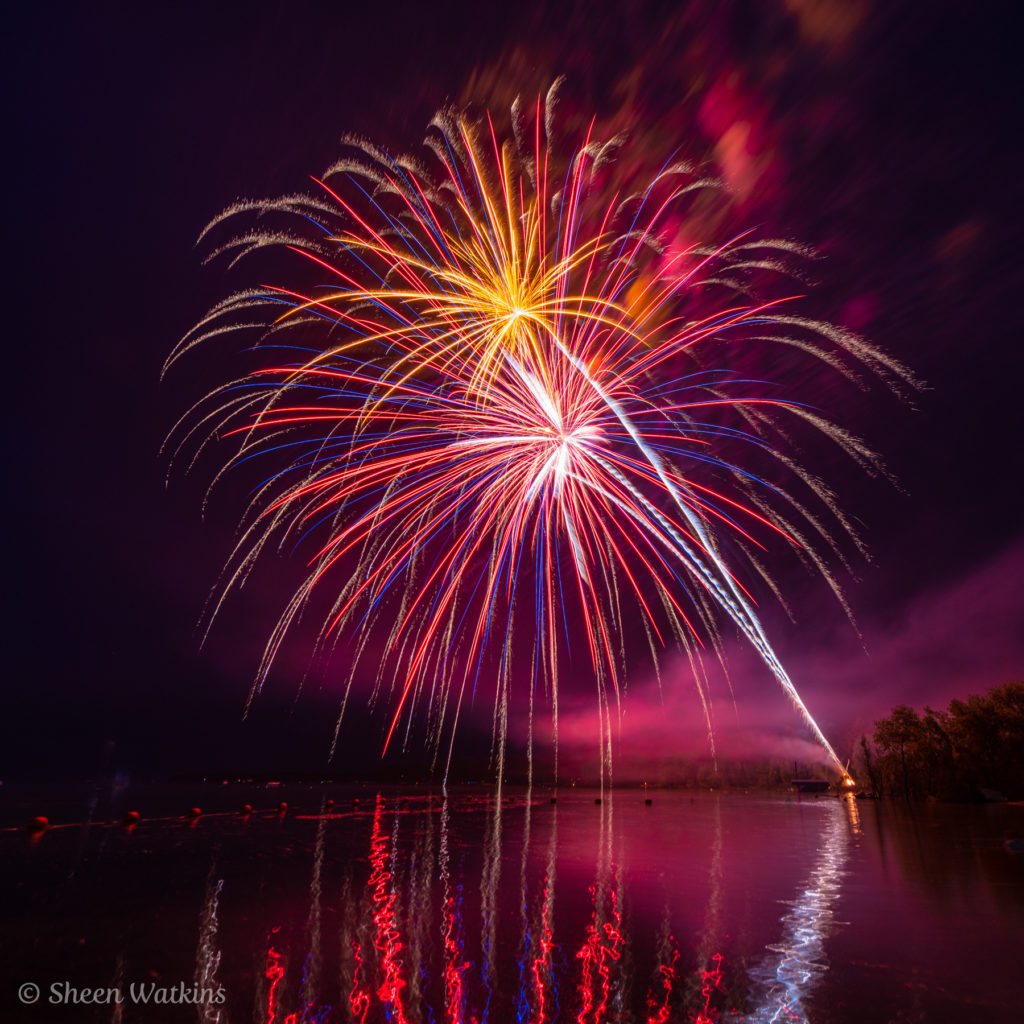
[810,785]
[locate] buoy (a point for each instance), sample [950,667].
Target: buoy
[597,799]
[648,801]
[39,824]
[245,810]
[194,812]
[131,819]
[554,799]
[282,807]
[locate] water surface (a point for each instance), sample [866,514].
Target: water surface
[416,906]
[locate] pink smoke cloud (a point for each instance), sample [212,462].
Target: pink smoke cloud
[946,642]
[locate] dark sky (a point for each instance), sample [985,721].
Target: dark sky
[888,136]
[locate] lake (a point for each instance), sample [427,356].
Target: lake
[409,905]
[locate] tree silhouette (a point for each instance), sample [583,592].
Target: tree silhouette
[977,743]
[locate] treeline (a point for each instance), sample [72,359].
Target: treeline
[953,754]
[703,773]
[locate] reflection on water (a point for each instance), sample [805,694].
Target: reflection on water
[207,953]
[800,955]
[412,951]
[475,908]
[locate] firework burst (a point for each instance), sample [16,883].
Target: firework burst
[495,426]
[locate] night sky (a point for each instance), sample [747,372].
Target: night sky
[886,136]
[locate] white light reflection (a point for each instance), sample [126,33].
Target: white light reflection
[799,960]
[208,954]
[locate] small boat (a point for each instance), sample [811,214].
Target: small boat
[865,795]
